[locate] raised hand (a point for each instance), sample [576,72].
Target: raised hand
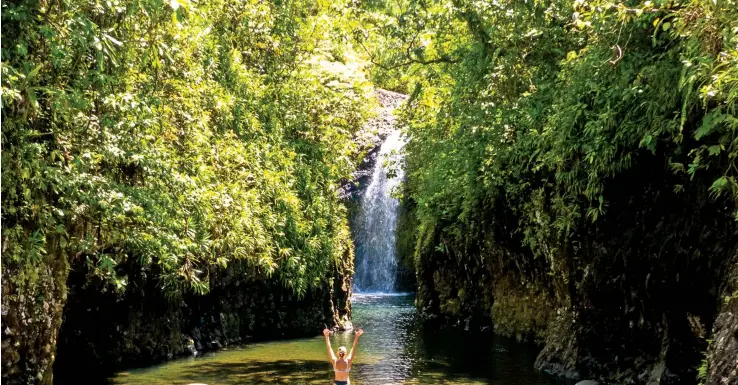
[326,332]
[357,334]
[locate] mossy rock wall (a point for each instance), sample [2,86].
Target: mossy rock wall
[637,295]
[104,331]
[32,301]
[721,362]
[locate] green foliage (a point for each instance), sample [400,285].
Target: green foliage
[180,135]
[702,372]
[532,106]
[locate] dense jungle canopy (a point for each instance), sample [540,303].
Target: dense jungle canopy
[180,138]
[539,103]
[182,135]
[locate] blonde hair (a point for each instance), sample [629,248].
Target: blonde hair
[342,349]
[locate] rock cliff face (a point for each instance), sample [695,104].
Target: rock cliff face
[637,298]
[104,332]
[722,355]
[58,317]
[32,303]
[369,139]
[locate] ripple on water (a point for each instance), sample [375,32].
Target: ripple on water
[395,349]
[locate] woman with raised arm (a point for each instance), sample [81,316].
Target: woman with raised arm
[342,364]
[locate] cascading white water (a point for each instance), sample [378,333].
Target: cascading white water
[376,223]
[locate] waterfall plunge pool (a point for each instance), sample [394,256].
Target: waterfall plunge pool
[395,349]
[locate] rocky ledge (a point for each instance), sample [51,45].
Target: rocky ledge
[369,139]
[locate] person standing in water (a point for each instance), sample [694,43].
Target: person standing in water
[342,364]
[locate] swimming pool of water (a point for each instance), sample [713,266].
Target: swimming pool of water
[395,349]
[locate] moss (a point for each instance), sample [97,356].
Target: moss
[406,238]
[522,311]
[451,306]
[36,295]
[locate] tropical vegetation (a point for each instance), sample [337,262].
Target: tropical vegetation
[571,173]
[178,134]
[571,170]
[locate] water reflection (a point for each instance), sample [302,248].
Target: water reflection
[389,323]
[396,349]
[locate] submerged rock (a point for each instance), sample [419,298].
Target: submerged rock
[345,325]
[215,344]
[188,344]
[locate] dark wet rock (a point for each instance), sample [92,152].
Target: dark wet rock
[634,297]
[722,355]
[188,345]
[559,356]
[369,139]
[344,325]
[30,329]
[142,326]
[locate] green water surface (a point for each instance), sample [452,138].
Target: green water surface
[395,349]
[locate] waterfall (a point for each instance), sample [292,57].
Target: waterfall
[376,223]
